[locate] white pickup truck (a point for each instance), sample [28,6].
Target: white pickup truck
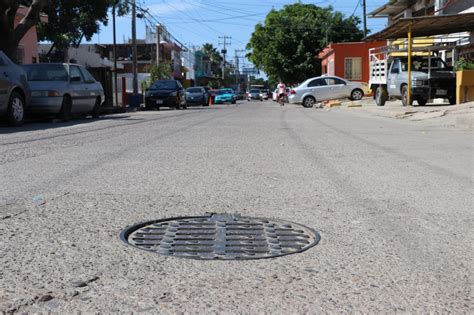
[430,78]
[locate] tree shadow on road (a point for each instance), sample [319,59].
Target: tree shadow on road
[45,123]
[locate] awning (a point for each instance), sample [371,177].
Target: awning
[392,8]
[426,26]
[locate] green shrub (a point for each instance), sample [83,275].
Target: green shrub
[463,64]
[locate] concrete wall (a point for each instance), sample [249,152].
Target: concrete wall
[29,43]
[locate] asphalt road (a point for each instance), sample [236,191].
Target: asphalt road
[393,202]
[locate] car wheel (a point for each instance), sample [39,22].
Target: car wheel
[65,112]
[96,110]
[380,98]
[16,109]
[452,100]
[357,95]
[405,100]
[421,101]
[185,106]
[309,102]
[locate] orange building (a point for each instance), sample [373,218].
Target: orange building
[348,60]
[28,48]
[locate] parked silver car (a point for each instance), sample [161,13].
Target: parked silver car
[326,88]
[254,94]
[14,91]
[63,90]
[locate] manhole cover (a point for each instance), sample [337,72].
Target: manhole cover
[221,236]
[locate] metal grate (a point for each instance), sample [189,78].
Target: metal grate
[221,236]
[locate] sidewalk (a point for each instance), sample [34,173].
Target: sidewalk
[456,115]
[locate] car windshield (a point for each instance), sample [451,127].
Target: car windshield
[194,90]
[163,85]
[227,91]
[422,64]
[254,91]
[46,72]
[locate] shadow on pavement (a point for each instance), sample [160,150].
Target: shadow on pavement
[44,123]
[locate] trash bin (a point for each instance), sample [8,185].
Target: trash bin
[134,100]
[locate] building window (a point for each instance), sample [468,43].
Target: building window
[353,68]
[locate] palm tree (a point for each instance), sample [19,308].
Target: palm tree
[213,56]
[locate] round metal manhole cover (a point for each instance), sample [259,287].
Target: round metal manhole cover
[221,237]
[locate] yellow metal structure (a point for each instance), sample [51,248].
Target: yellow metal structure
[409,65]
[464,86]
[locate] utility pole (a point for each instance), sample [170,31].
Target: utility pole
[158,36]
[225,42]
[364,12]
[327,34]
[134,52]
[237,74]
[237,65]
[115,55]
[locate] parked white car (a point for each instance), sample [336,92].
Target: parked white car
[274,95]
[326,88]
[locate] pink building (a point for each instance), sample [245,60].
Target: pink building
[28,48]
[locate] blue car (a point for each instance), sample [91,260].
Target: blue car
[225,96]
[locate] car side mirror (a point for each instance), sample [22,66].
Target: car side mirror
[75,79]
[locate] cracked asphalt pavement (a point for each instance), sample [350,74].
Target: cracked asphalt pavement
[393,202]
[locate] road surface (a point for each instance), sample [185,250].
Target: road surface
[393,203]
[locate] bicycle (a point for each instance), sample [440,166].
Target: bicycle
[281,100]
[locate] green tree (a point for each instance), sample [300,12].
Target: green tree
[160,71]
[285,46]
[69,22]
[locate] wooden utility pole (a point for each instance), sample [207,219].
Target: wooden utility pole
[115,55]
[134,52]
[364,10]
[158,40]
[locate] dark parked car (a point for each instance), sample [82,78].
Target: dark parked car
[63,89]
[14,91]
[197,96]
[165,93]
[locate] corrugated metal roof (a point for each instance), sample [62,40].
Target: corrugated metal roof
[426,26]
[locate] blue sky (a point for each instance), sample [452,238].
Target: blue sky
[194,22]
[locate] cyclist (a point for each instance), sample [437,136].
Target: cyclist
[281,93]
